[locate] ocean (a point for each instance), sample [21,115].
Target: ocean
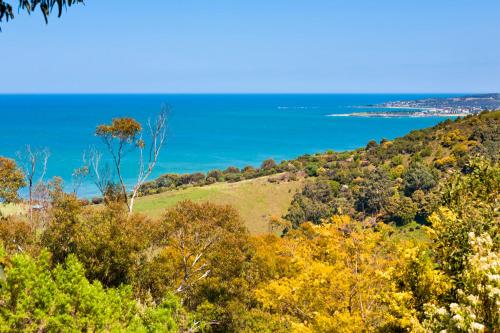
[204,131]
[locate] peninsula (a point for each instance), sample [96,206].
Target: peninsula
[431,107]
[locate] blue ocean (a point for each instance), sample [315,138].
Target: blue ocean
[204,131]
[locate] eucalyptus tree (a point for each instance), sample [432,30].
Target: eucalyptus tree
[33,162]
[29,6]
[124,135]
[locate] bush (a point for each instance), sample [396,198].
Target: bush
[249,169]
[197,178]
[402,211]
[233,177]
[268,164]
[374,192]
[312,170]
[231,170]
[216,174]
[211,180]
[108,242]
[371,144]
[213,233]
[97,200]
[397,171]
[418,177]
[17,235]
[61,299]
[445,162]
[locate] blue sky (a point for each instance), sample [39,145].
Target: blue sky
[193,46]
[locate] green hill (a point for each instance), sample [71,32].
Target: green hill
[256,200]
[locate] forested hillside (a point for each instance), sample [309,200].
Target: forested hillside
[395,181]
[336,263]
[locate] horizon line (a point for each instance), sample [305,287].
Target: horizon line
[242,93]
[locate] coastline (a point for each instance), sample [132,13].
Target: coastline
[396,115]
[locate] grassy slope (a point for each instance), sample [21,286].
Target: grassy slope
[256,200]
[12,209]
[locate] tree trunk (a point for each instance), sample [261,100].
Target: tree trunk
[31,200]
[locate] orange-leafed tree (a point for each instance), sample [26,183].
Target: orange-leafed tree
[126,134]
[11,180]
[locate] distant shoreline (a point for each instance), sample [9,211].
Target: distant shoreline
[397,115]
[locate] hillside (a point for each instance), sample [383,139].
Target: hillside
[188,263]
[256,200]
[394,181]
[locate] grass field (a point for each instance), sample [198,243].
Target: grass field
[256,200]
[12,209]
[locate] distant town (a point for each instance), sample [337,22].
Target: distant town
[431,107]
[436,107]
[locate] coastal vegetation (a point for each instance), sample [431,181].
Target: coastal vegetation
[398,236]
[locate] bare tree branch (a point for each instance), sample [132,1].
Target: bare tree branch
[32,162]
[157,134]
[101,174]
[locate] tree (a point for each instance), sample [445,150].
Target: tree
[34,165]
[334,280]
[215,174]
[11,180]
[401,210]
[476,308]
[268,164]
[203,245]
[78,176]
[418,177]
[415,282]
[36,297]
[108,242]
[100,173]
[18,235]
[453,285]
[29,6]
[124,135]
[374,193]
[315,203]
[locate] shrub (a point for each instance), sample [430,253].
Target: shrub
[459,149]
[197,178]
[216,174]
[371,144]
[418,177]
[397,171]
[248,169]
[97,200]
[231,170]
[374,192]
[268,164]
[108,242]
[213,234]
[445,162]
[312,170]
[397,160]
[402,211]
[17,235]
[211,180]
[61,299]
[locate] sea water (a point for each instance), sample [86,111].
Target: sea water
[204,131]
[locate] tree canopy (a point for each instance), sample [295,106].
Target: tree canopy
[11,180]
[45,6]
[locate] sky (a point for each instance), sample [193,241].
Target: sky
[258,46]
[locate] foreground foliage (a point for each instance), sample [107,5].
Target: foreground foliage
[100,268]
[38,298]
